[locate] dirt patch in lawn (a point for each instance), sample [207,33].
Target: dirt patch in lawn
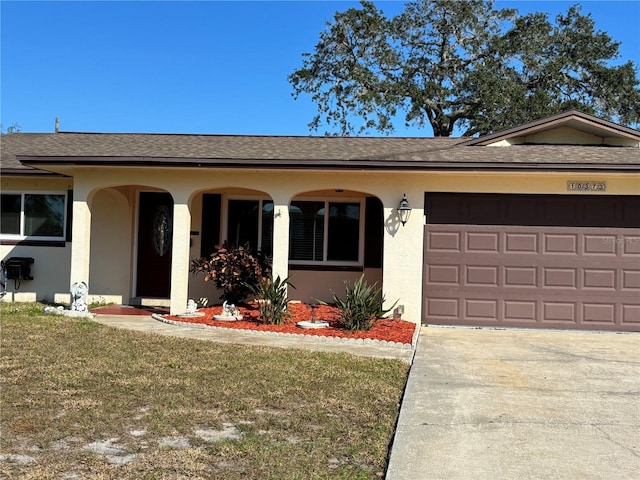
[389,330]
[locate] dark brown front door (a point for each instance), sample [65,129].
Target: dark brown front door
[155,230]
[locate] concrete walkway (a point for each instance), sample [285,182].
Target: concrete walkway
[520,404]
[145,323]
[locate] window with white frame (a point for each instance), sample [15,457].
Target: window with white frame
[325,231]
[38,215]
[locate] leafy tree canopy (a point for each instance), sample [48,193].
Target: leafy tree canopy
[462,64]
[13,128]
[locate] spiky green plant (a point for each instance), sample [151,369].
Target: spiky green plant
[271,295]
[362,305]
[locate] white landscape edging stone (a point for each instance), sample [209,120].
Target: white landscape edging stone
[300,336]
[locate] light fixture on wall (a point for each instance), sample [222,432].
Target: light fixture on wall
[404,210]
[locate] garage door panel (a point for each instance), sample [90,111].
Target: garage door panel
[599,245]
[554,278]
[559,244]
[443,275]
[530,276]
[534,310]
[444,241]
[480,309]
[482,242]
[443,308]
[521,243]
[559,311]
[481,276]
[631,280]
[599,313]
[597,279]
[520,276]
[630,245]
[630,314]
[520,311]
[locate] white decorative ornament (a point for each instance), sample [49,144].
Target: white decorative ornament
[161,237]
[191,307]
[79,291]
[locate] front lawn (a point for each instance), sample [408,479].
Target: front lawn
[81,400]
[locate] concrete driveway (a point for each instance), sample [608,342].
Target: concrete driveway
[515,404]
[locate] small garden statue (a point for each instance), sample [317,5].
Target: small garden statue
[191,307]
[229,313]
[79,291]
[230,310]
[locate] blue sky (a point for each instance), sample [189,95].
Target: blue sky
[190,67]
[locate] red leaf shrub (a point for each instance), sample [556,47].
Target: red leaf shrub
[384,329]
[233,269]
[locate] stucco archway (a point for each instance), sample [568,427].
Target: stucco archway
[227,213]
[111,242]
[113,262]
[336,235]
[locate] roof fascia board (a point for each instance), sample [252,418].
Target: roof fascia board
[47,163]
[29,172]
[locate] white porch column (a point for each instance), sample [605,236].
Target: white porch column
[180,257]
[403,256]
[280,238]
[81,239]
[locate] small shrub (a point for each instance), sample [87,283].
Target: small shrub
[233,269]
[272,299]
[97,303]
[362,305]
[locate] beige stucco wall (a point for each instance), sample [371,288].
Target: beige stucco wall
[50,272]
[554,183]
[111,246]
[401,277]
[312,286]
[50,269]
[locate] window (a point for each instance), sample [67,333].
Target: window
[306,231]
[251,221]
[33,215]
[322,231]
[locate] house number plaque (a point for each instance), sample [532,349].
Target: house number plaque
[586,186]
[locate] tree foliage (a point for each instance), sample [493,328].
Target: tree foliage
[13,128]
[462,64]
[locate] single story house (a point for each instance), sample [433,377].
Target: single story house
[535,226]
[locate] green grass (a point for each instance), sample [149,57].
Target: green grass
[297,415]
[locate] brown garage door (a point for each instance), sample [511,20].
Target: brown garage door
[508,260]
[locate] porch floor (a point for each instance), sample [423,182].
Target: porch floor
[130,310]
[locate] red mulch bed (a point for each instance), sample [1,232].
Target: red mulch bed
[385,329]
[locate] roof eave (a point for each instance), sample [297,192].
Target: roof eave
[47,163]
[28,172]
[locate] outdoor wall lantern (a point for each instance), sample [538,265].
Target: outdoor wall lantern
[404,209]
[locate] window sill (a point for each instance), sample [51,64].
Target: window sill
[327,268]
[34,243]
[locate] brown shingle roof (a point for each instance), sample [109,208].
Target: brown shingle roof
[297,152]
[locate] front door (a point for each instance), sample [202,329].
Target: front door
[155,231]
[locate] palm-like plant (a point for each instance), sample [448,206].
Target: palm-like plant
[361,306]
